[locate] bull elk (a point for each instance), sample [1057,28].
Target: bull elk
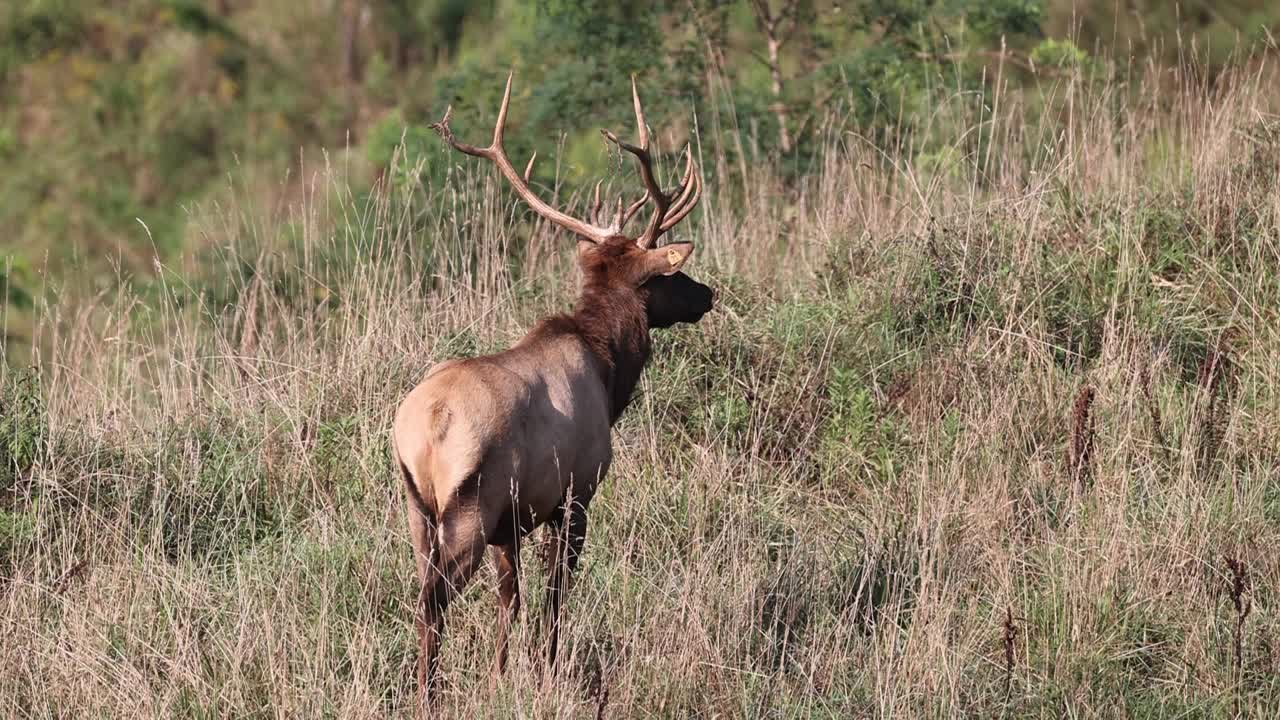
[492,447]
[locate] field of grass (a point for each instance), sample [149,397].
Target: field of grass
[989,431]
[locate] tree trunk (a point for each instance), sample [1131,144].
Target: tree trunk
[779,107]
[770,24]
[402,53]
[352,9]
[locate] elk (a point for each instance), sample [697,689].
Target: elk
[492,447]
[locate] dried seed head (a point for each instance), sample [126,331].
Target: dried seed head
[1080,456]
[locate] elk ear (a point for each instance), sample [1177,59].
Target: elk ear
[666,260]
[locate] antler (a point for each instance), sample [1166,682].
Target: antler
[669,208]
[520,182]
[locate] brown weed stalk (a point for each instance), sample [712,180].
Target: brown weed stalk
[1080,453]
[1010,639]
[1243,606]
[602,700]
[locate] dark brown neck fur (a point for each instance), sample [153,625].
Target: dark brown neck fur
[612,323]
[610,319]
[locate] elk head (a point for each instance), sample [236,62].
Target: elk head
[609,258]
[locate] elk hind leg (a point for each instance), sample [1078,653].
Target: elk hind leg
[422,532]
[459,551]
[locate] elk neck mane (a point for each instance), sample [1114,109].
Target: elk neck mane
[611,321]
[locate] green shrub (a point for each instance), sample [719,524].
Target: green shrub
[212,499]
[24,427]
[859,441]
[30,29]
[1059,53]
[408,144]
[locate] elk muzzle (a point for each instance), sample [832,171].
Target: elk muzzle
[675,299]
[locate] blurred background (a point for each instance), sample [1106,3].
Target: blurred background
[119,118]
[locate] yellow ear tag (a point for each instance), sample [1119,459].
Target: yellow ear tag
[674,257]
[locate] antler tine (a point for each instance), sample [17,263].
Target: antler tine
[665,215]
[689,190]
[642,128]
[501,125]
[520,183]
[442,127]
[618,214]
[596,204]
[686,207]
[528,169]
[645,161]
[685,196]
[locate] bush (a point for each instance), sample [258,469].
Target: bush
[24,427]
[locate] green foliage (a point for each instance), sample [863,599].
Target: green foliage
[616,35]
[214,502]
[1059,53]
[17,529]
[957,290]
[14,279]
[192,16]
[138,110]
[336,455]
[995,19]
[885,83]
[1081,291]
[392,139]
[24,426]
[858,436]
[31,29]
[925,53]
[1215,33]
[8,142]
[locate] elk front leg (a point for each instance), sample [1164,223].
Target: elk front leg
[565,536]
[507,559]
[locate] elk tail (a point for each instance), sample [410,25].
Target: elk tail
[415,497]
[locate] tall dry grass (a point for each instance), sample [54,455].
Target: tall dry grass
[865,486]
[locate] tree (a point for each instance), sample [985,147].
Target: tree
[777,26]
[352,10]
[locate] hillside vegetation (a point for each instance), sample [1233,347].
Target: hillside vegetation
[984,423]
[119,118]
[988,432]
